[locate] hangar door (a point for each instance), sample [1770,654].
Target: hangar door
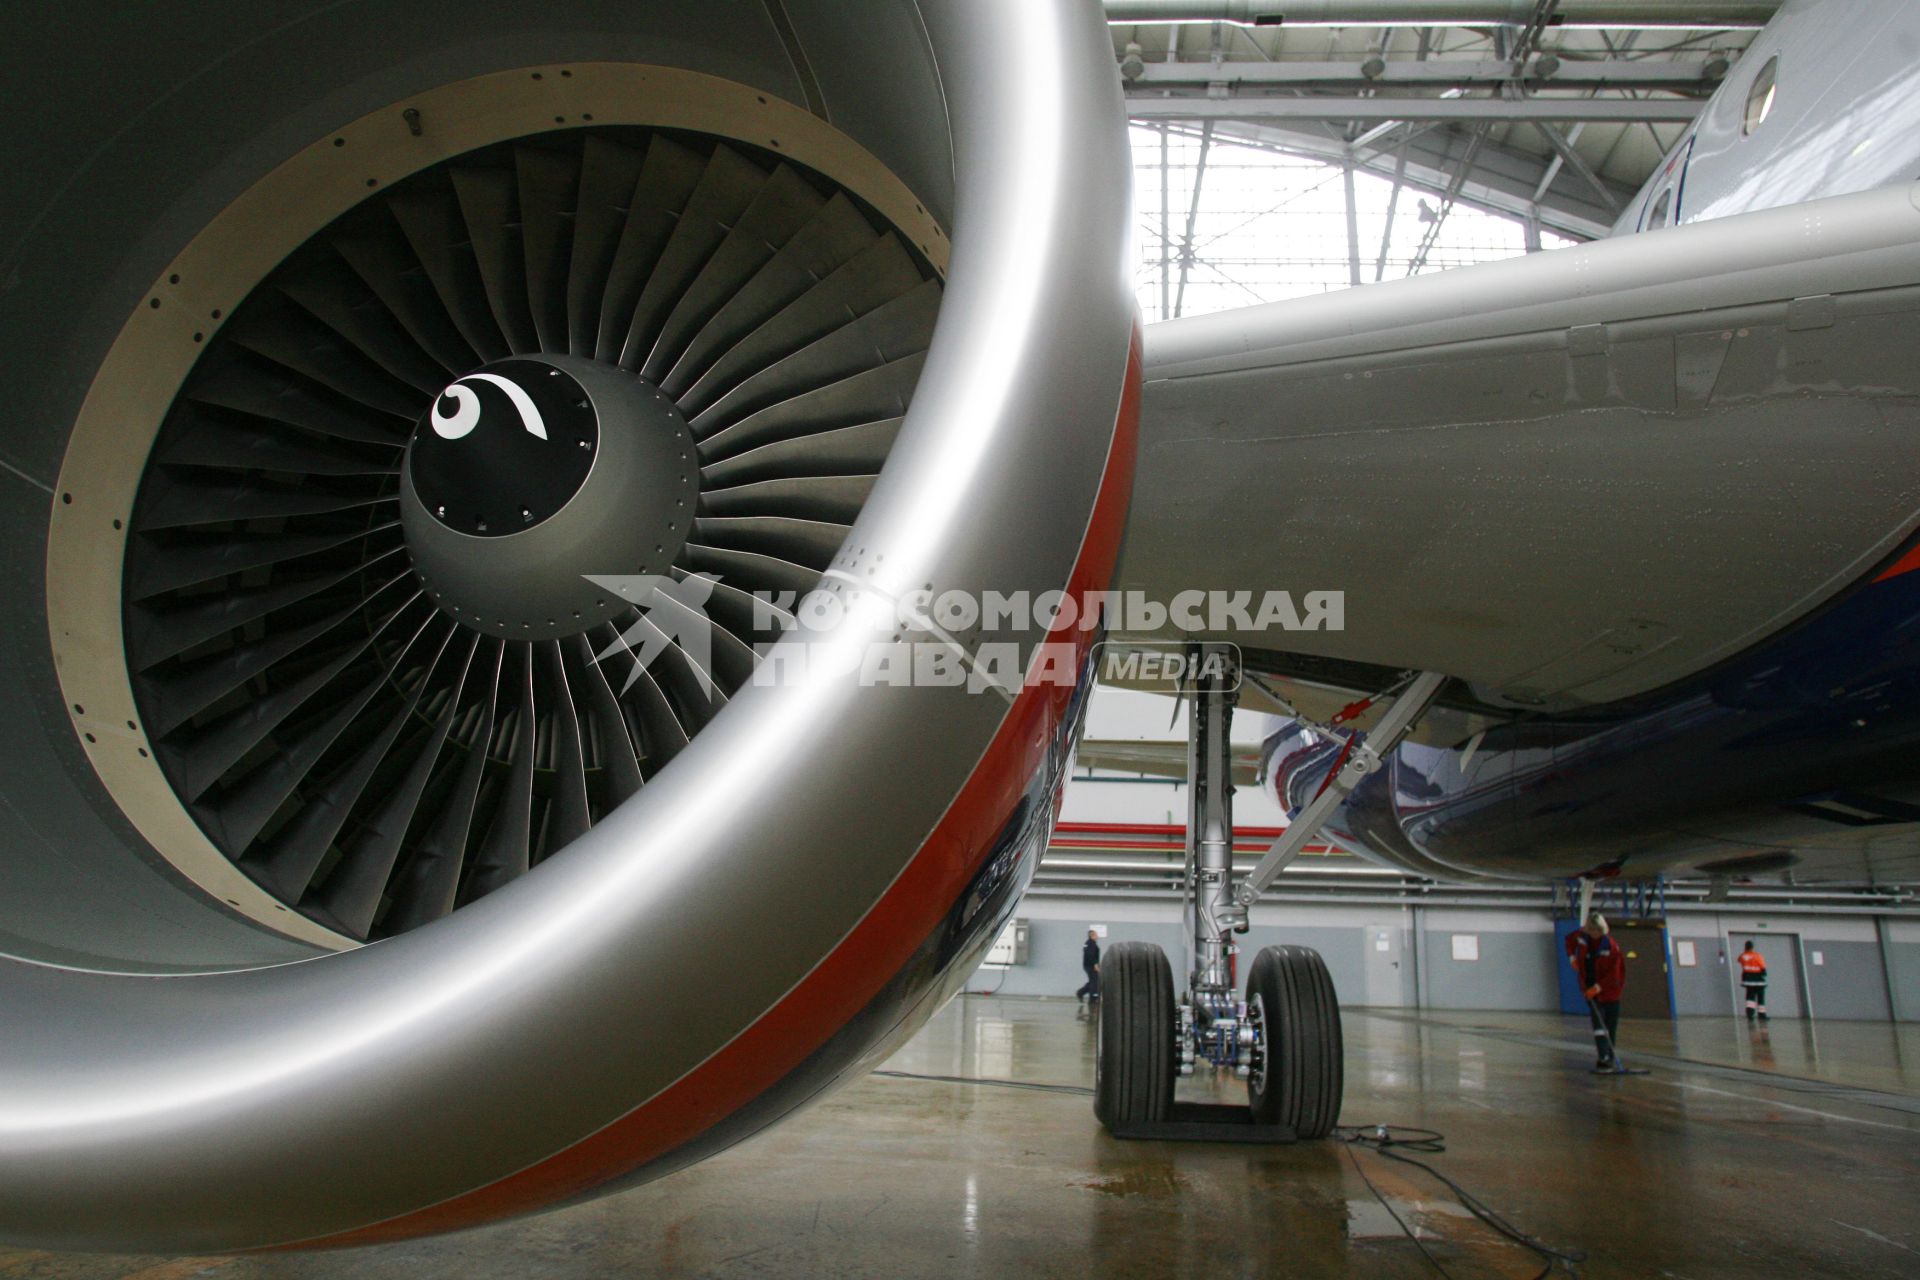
[1649,992]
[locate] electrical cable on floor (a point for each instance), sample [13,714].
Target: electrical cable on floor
[996,986]
[1389,1140]
[1080,1090]
[1401,1222]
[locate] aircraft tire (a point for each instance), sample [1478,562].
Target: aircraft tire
[1300,1076]
[1134,1069]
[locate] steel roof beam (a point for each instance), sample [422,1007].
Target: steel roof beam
[1504,179]
[1142,106]
[1440,74]
[1709,14]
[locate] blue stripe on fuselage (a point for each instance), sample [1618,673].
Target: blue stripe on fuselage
[1807,740]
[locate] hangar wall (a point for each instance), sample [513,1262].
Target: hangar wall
[1844,959]
[1514,968]
[1837,964]
[1901,939]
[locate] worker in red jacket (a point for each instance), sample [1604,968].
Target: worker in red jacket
[1600,969]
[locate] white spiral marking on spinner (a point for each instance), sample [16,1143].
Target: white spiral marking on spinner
[466,414]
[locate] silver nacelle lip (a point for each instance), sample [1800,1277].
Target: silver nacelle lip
[293,1103]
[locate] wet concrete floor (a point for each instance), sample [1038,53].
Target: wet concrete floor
[1791,1152]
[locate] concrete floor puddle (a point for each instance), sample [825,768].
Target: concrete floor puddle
[1372,1220]
[976,1153]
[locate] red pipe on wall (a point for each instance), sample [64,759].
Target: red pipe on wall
[1163,837]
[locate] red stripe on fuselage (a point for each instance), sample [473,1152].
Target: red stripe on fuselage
[1905,564]
[854,973]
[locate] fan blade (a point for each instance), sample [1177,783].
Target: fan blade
[690,685]
[810,542]
[850,450]
[429,886]
[276,330]
[655,724]
[608,173]
[783,206]
[505,852]
[183,692]
[878,274]
[487,200]
[429,217]
[667,181]
[262,391]
[243,810]
[765,572]
[837,233]
[352,894]
[723,668]
[170,501]
[865,397]
[377,251]
[567,816]
[165,632]
[331,293]
[208,754]
[889,333]
[162,562]
[725,190]
[834,499]
[201,440]
[548,182]
[287,864]
[614,749]
[753,620]
[730,659]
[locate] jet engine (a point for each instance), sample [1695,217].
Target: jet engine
[426,427]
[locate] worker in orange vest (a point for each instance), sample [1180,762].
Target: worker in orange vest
[1753,981]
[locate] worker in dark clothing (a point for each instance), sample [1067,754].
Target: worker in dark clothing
[1753,982]
[1090,961]
[1600,969]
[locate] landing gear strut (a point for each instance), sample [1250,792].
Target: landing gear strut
[1283,1038]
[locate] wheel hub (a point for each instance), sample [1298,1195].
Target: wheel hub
[528,475]
[1257,1055]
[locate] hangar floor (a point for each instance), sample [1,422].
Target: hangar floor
[1795,1154]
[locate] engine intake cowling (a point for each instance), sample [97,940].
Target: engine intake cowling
[679,314]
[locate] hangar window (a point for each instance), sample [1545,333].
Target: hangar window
[1231,221]
[1760,97]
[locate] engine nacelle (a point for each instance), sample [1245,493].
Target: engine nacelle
[348,354]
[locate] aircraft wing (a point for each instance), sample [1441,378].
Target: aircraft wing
[1159,759]
[1567,478]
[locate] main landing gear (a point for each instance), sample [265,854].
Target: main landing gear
[1283,1038]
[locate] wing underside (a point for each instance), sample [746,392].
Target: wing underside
[1568,478]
